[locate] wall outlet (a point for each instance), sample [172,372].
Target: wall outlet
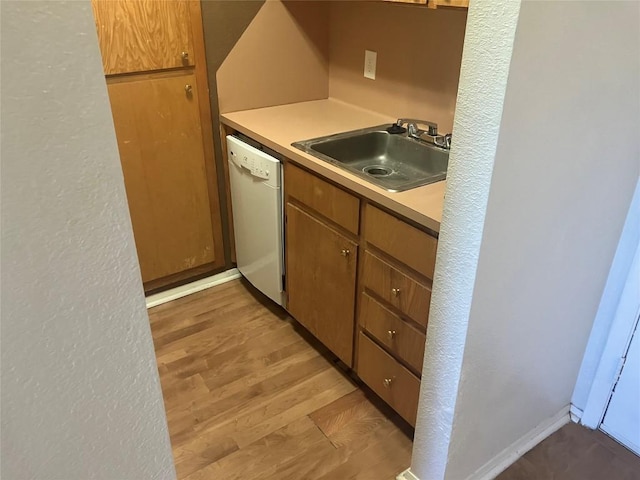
[370,59]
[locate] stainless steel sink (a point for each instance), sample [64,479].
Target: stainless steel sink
[394,162]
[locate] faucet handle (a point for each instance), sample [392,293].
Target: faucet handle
[443,141]
[413,125]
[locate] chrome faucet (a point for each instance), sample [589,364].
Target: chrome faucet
[430,135]
[414,131]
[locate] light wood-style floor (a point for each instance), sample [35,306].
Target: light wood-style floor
[247,396]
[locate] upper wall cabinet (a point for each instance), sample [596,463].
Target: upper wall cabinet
[143,35]
[436,3]
[449,3]
[419,2]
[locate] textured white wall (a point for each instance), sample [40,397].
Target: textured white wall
[483,78]
[80,391]
[566,165]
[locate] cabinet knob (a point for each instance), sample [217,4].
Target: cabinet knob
[387,382]
[188,89]
[395,291]
[345,252]
[391,334]
[185,56]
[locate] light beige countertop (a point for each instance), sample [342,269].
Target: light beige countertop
[278,127]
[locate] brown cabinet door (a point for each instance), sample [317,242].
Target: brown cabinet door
[321,280]
[157,123]
[143,35]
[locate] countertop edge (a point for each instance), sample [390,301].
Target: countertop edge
[341,177]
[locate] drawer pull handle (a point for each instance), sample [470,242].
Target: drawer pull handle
[395,291]
[387,382]
[188,89]
[185,56]
[345,252]
[391,334]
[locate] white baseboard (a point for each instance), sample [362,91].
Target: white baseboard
[575,413]
[509,455]
[407,475]
[193,287]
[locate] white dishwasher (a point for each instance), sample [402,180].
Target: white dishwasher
[256,201]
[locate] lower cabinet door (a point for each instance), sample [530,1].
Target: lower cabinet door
[157,125]
[391,381]
[321,280]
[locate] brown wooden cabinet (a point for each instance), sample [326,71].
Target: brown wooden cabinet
[330,235]
[322,258]
[394,298]
[143,35]
[154,61]
[418,2]
[321,274]
[449,3]
[160,141]
[436,3]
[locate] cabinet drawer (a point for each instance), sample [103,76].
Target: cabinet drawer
[409,245]
[330,201]
[387,378]
[397,335]
[396,288]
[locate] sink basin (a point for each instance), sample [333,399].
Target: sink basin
[394,162]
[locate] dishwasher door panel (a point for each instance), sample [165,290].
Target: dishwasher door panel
[255,181]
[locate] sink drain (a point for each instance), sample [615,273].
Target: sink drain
[377,171]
